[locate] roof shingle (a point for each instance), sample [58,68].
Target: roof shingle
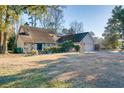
[74,38]
[37,35]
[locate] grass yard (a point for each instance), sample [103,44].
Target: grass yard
[62,70]
[18,71]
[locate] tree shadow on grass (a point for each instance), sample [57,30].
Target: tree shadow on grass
[38,77]
[62,73]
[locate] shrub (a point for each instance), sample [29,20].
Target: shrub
[55,50]
[11,42]
[46,50]
[66,46]
[52,50]
[34,52]
[77,48]
[18,50]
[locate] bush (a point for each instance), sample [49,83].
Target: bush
[66,46]
[34,52]
[11,42]
[77,48]
[52,50]
[45,50]
[18,50]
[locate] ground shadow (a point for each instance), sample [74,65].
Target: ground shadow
[62,73]
[38,77]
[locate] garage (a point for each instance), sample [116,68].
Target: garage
[84,40]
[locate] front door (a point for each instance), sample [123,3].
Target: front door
[39,46]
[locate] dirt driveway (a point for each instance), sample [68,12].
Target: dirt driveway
[102,69]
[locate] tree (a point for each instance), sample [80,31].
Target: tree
[77,27]
[9,16]
[66,46]
[118,16]
[65,31]
[111,40]
[115,28]
[53,19]
[92,33]
[68,31]
[57,15]
[35,12]
[50,17]
[110,36]
[1,33]
[11,42]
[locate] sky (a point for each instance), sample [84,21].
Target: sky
[94,18]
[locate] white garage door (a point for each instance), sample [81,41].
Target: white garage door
[88,47]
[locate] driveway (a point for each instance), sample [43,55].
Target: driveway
[101,69]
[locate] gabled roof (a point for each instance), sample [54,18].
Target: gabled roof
[26,38]
[35,35]
[74,38]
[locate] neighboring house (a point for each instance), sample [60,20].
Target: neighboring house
[84,40]
[29,38]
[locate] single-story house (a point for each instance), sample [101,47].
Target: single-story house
[29,38]
[84,40]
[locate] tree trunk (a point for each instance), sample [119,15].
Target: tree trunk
[0,42]
[35,21]
[4,43]
[35,18]
[4,50]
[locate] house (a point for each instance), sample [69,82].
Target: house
[29,38]
[84,40]
[53,34]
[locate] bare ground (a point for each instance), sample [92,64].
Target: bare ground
[102,69]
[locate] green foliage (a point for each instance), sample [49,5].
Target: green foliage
[34,52]
[50,17]
[66,46]
[111,41]
[34,78]
[34,12]
[18,50]
[52,50]
[11,42]
[9,14]
[58,84]
[115,28]
[77,48]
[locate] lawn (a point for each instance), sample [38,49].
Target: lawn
[18,71]
[62,70]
